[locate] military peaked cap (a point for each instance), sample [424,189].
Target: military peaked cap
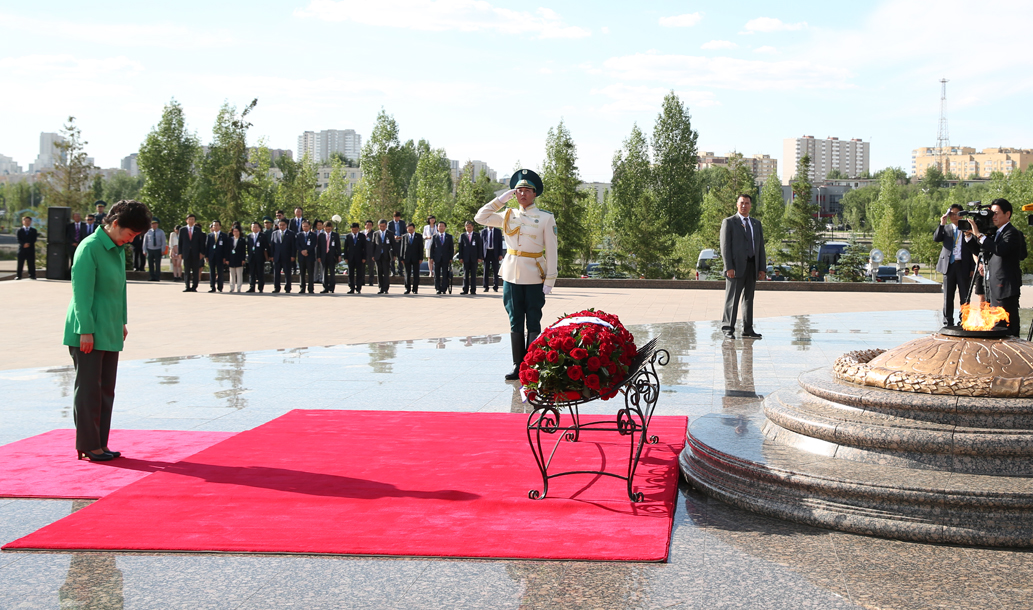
[527,178]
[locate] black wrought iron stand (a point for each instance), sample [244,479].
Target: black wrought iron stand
[641,388]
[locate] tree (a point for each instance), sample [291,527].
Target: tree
[922,218]
[564,198]
[674,170]
[855,206]
[122,186]
[715,210]
[166,161]
[631,178]
[933,178]
[335,198]
[430,191]
[226,166]
[770,210]
[801,219]
[297,188]
[470,196]
[378,193]
[887,216]
[260,198]
[69,183]
[835,174]
[851,264]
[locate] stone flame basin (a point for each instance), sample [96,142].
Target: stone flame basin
[930,441]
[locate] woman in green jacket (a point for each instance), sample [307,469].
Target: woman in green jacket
[95,327]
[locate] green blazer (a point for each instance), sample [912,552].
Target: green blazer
[98,304]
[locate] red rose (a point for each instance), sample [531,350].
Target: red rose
[568,343]
[556,343]
[574,372]
[538,355]
[592,381]
[612,368]
[573,395]
[553,357]
[578,353]
[594,363]
[610,394]
[523,377]
[532,376]
[524,366]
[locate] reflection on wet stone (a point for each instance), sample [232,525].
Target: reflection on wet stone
[802,330]
[94,581]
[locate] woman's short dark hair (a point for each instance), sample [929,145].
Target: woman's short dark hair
[130,214]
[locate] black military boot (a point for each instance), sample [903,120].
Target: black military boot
[516,343]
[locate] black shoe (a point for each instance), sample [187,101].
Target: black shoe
[276,292]
[408,291]
[749,334]
[515,374]
[212,290]
[250,290]
[117,454]
[103,456]
[184,290]
[352,291]
[495,289]
[323,291]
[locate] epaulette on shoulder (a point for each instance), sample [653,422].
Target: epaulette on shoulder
[545,212]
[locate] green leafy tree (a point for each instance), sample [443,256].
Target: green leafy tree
[430,192]
[855,207]
[69,183]
[887,215]
[260,198]
[378,193]
[654,258]
[335,198]
[469,198]
[770,210]
[922,218]
[674,170]
[801,220]
[851,264]
[404,162]
[166,159]
[835,174]
[297,188]
[566,201]
[933,178]
[122,186]
[631,178]
[715,210]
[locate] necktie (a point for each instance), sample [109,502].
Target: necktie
[76,231]
[749,231]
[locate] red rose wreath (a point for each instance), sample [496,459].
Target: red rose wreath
[582,355]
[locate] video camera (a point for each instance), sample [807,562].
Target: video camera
[981,215]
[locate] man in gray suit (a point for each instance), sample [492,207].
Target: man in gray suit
[742,249]
[955,262]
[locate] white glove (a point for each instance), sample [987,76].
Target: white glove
[504,197]
[546,289]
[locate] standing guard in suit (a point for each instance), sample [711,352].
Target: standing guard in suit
[371,264]
[493,249]
[355,255]
[216,251]
[1002,252]
[411,257]
[75,232]
[742,249]
[283,255]
[154,246]
[91,224]
[397,228]
[269,228]
[442,249]
[27,247]
[955,261]
[257,246]
[305,254]
[98,216]
[328,250]
[470,254]
[139,254]
[530,269]
[383,243]
[191,247]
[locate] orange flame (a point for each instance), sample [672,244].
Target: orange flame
[982,318]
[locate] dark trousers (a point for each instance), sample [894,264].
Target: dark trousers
[384,273]
[94,397]
[412,276]
[491,267]
[1011,305]
[154,264]
[191,271]
[279,267]
[355,275]
[27,255]
[953,281]
[256,272]
[216,274]
[734,288]
[330,273]
[139,258]
[524,303]
[441,275]
[470,277]
[307,271]
[371,270]
[396,259]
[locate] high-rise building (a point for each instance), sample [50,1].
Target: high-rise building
[48,152]
[131,164]
[850,157]
[8,166]
[320,145]
[963,161]
[478,167]
[761,166]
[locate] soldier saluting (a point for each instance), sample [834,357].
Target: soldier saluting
[529,268]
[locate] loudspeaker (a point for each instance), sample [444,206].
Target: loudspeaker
[57,259]
[57,222]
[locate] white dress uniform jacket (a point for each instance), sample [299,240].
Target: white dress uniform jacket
[530,237]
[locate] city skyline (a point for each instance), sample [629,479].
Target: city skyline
[486,80]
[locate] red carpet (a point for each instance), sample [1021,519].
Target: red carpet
[44,466]
[389,483]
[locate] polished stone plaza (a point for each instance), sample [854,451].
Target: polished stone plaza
[721,557]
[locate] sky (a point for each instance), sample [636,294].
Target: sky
[487,79]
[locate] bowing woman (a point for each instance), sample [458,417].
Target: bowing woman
[95,327]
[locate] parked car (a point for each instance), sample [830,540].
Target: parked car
[886,273]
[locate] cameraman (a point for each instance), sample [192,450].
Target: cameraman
[956,260]
[1002,253]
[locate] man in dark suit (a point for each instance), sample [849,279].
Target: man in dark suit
[257,253]
[75,232]
[1002,253]
[282,246]
[305,254]
[493,248]
[328,250]
[216,251]
[91,224]
[355,255]
[411,256]
[397,228]
[98,217]
[470,254]
[295,223]
[371,264]
[383,243]
[191,248]
[139,256]
[955,261]
[442,249]
[742,249]
[27,247]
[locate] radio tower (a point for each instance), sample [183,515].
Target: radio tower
[943,141]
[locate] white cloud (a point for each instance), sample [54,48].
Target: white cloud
[681,21]
[443,15]
[638,98]
[766,50]
[164,35]
[719,44]
[770,24]
[604,30]
[728,73]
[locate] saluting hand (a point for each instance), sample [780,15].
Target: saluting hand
[504,197]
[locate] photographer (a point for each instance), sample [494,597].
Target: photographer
[956,260]
[1002,253]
